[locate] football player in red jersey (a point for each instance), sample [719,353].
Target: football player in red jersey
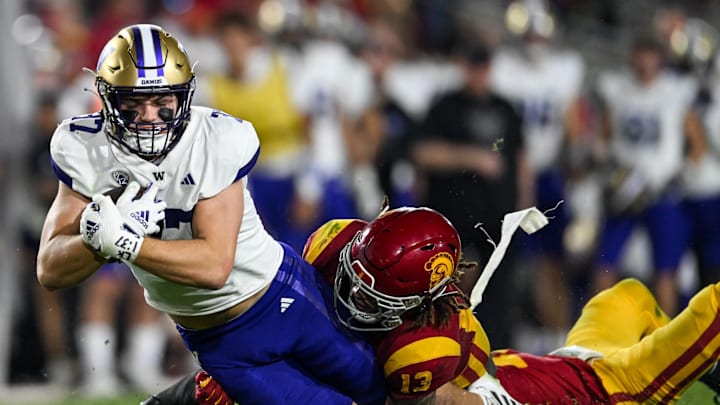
[420,323]
[395,279]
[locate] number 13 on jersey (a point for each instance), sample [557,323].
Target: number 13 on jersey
[417,382]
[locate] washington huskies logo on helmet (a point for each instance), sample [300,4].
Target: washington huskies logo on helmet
[440,266]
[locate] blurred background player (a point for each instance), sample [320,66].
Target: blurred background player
[470,153]
[544,82]
[384,50]
[645,120]
[112,299]
[700,180]
[334,89]
[54,311]
[256,84]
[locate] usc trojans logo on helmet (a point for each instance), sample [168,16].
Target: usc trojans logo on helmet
[440,267]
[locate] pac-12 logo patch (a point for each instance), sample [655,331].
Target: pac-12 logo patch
[121,177]
[439,266]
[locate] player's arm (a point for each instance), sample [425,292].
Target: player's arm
[63,259]
[606,126]
[430,399]
[451,394]
[695,135]
[446,156]
[207,259]
[573,119]
[447,394]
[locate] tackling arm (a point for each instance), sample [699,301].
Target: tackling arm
[63,258]
[451,394]
[430,399]
[447,394]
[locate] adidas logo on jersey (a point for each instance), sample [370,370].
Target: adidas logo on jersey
[285,303]
[188,180]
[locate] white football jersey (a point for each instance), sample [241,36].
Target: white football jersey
[543,88]
[330,83]
[215,151]
[415,84]
[647,123]
[702,179]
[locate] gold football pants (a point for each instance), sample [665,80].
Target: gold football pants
[648,357]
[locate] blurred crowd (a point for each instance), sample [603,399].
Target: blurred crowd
[604,115]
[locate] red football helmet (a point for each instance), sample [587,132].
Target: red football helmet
[403,258]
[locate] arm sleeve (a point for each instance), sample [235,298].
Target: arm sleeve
[233,148]
[322,249]
[71,161]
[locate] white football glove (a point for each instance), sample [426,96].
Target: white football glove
[102,228]
[141,215]
[491,391]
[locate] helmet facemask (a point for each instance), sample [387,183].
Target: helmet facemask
[149,140]
[361,307]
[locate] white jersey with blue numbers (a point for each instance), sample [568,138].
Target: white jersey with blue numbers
[702,179]
[647,123]
[215,151]
[542,88]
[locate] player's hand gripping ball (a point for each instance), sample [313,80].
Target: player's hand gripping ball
[143,214]
[102,229]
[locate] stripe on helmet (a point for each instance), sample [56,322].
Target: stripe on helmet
[158,52]
[149,52]
[139,50]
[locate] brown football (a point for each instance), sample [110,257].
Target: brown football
[117,192]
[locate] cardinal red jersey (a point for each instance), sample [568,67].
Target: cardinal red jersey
[558,380]
[419,361]
[416,361]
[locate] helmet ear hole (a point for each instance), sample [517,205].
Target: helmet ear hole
[429,246]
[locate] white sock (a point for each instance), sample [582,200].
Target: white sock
[96,344]
[146,347]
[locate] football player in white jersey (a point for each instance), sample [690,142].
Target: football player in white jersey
[701,181]
[646,127]
[193,238]
[545,83]
[333,89]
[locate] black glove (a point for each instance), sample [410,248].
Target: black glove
[180,393]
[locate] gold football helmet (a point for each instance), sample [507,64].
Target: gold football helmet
[144,60]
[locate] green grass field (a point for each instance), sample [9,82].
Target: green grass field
[697,394]
[127,399]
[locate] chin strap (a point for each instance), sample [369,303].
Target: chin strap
[530,220]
